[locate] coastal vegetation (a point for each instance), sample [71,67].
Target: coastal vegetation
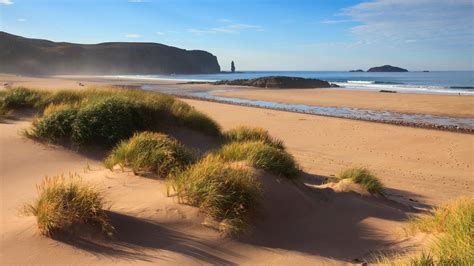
[244,133]
[363,177]
[66,203]
[150,152]
[103,116]
[452,228]
[261,155]
[228,194]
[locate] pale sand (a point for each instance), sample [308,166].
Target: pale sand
[298,226]
[426,165]
[69,82]
[436,104]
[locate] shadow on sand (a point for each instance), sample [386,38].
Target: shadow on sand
[136,239]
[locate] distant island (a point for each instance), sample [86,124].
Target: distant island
[387,68]
[278,82]
[42,57]
[357,70]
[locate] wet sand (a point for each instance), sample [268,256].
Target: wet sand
[435,104]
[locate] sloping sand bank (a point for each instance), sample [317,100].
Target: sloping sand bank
[419,166]
[299,225]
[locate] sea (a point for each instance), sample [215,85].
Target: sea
[436,82]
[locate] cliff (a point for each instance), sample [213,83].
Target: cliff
[34,56]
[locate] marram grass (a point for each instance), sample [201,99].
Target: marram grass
[64,203]
[363,177]
[230,196]
[244,133]
[452,225]
[261,155]
[104,115]
[150,152]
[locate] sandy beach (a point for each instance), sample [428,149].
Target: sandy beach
[419,167]
[435,104]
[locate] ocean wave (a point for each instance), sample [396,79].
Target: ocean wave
[405,88]
[462,87]
[361,81]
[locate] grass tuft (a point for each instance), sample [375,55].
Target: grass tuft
[64,203]
[454,225]
[261,155]
[187,115]
[229,195]
[243,133]
[150,152]
[363,177]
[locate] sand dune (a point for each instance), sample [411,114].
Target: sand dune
[298,224]
[419,166]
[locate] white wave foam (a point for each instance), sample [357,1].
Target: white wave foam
[361,81]
[404,88]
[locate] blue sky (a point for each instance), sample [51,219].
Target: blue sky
[264,34]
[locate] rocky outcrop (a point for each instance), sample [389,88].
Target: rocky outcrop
[357,70]
[34,56]
[278,82]
[387,68]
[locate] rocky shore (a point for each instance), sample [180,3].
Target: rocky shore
[278,82]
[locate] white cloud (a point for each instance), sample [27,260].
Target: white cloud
[21,19]
[224,20]
[403,21]
[6,2]
[335,21]
[232,28]
[133,35]
[160,33]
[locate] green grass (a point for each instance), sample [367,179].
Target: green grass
[243,133]
[229,195]
[55,126]
[454,225]
[64,203]
[105,115]
[261,155]
[150,152]
[363,177]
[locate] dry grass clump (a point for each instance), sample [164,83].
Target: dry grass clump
[64,203]
[150,152]
[244,133]
[454,224]
[105,115]
[363,177]
[453,228]
[261,155]
[229,195]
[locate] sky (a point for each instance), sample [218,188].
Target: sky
[266,35]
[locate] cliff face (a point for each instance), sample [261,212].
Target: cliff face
[34,56]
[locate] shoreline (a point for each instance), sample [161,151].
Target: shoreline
[436,105]
[455,129]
